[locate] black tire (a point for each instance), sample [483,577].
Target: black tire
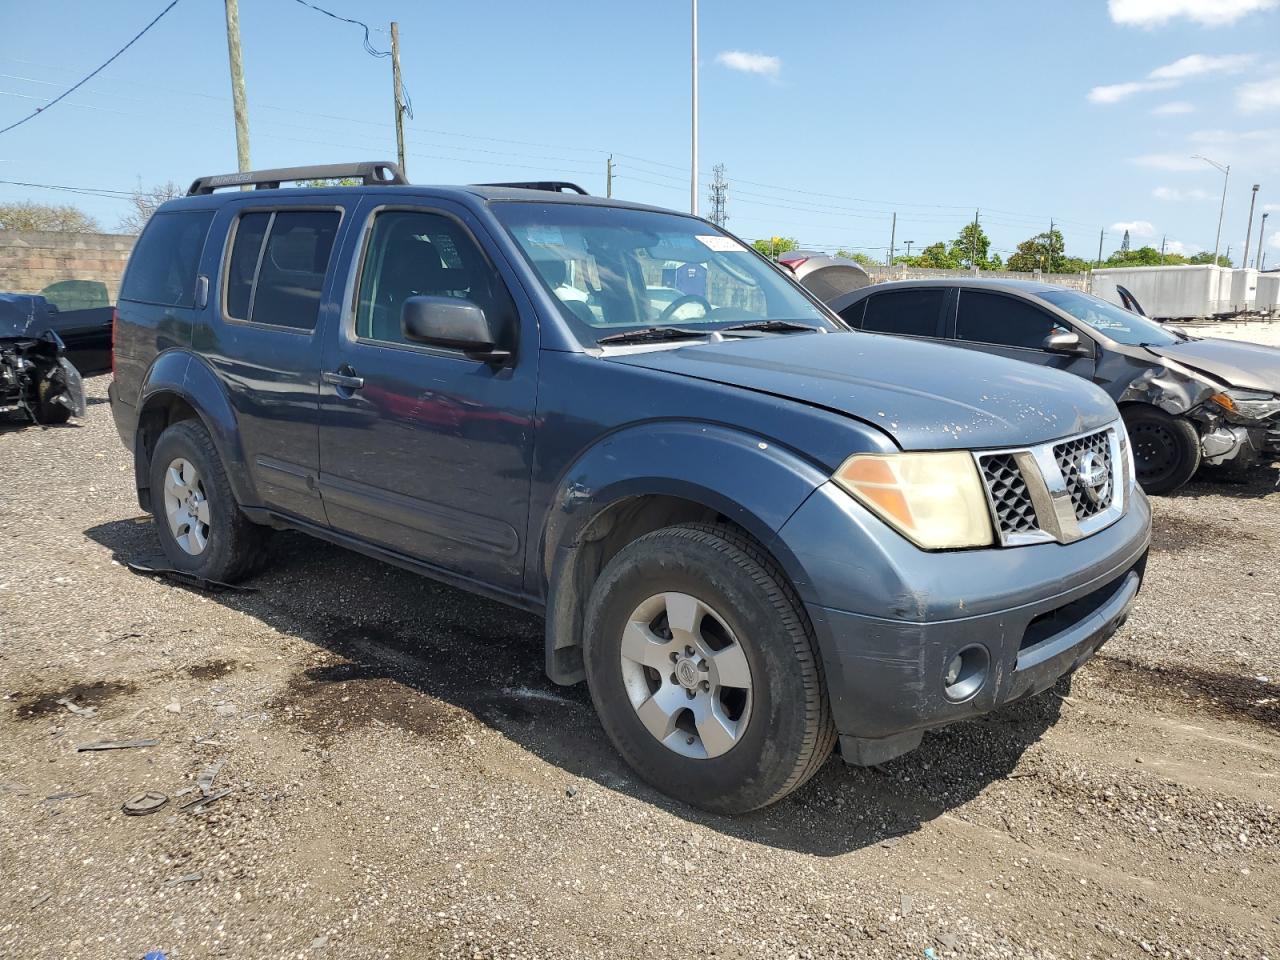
[47,412]
[1166,450]
[235,546]
[789,732]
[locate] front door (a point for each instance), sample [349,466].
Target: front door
[1011,327]
[423,450]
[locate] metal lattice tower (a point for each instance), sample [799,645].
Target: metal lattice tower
[719,196]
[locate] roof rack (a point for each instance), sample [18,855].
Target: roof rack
[369,172]
[554,186]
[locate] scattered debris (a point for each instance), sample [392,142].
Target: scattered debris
[78,711]
[174,707]
[185,878]
[189,579]
[199,803]
[226,709]
[947,941]
[40,899]
[68,795]
[207,776]
[115,745]
[143,804]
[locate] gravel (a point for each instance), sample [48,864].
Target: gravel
[404,782]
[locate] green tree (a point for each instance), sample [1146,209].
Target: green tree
[45,216]
[772,246]
[971,248]
[1204,256]
[936,257]
[860,258]
[1147,257]
[1045,252]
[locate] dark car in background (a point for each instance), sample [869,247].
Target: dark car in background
[751,531]
[1185,400]
[36,378]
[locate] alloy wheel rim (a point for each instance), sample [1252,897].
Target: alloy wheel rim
[686,675]
[186,507]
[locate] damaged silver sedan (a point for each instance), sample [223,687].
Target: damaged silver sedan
[36,380]
[1186,400]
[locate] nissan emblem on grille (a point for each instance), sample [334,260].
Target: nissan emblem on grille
[1096,477]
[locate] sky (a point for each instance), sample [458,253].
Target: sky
[828,116]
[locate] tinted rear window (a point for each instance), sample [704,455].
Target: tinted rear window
[909,312]
[278,264]
[166,259]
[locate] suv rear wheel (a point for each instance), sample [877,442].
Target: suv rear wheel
[1166,450]
[196,515]
[704,671]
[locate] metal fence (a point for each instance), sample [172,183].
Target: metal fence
[1076,281]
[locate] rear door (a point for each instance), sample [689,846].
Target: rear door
[264,341]
[424,450]
[1005,324]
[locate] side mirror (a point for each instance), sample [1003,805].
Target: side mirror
[1066,341]
[1176,331]
[454,323]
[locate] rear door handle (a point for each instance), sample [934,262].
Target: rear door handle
[344,381]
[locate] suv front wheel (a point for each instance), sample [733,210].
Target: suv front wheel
[704,671]
[197,519]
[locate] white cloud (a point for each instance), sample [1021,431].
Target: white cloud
[1168,161]
[1271,207]
[1115,92]
[1174,108]
[1211,13]
[1136,228]
[1261,95]
[1177,246]
[1198,64]
[750,62]
[1273,241]
[1176,195]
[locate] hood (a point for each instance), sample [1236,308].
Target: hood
[1250,366]
[925,396]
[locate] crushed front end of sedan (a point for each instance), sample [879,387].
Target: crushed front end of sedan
[35,378]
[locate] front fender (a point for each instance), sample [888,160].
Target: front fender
[178,374]
[754,483]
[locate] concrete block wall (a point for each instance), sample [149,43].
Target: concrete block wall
[30,261]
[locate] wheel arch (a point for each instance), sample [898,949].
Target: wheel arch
[604,502]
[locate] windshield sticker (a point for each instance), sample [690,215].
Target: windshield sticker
[545,235]
[720,244]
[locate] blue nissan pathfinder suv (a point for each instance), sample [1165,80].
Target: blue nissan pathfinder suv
[751,531]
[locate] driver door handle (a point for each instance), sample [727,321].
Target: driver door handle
[344,378]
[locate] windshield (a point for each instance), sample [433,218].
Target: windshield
[612,270]
[1111,321]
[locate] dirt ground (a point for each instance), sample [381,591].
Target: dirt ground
[404,782]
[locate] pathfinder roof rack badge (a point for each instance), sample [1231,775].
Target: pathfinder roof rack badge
[369,172]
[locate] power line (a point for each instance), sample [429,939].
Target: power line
[369,48]
[81,83]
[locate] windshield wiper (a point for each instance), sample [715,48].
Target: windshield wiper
[652,335]
[771,326]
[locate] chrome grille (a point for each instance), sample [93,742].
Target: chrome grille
[1059,491]
[1010,498]
[1091,454]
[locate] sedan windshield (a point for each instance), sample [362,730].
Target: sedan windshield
[616,271]
[1114,323]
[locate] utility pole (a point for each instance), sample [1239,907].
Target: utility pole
[1248,231]
[973,245]
[1225,170]
[719,196]
[1162,241]
[1050,246]
[693,159]
[237,85]
[1262,232]
[608,176]
[398,91]
[893,233]
[1101,234]
[908,244]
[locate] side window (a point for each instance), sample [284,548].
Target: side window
[416,254]
[992,318]
[912,313]
[277,266]
[166,259]
[852,314]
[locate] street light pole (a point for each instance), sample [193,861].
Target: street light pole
[1226,175]
[1248,231]
[908,244]
[693,161]
[1262,232]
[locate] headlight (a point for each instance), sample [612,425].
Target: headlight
[935,500]
[1248,404]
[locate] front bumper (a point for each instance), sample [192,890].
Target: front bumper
[889,619]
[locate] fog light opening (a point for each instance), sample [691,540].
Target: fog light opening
[965,673]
